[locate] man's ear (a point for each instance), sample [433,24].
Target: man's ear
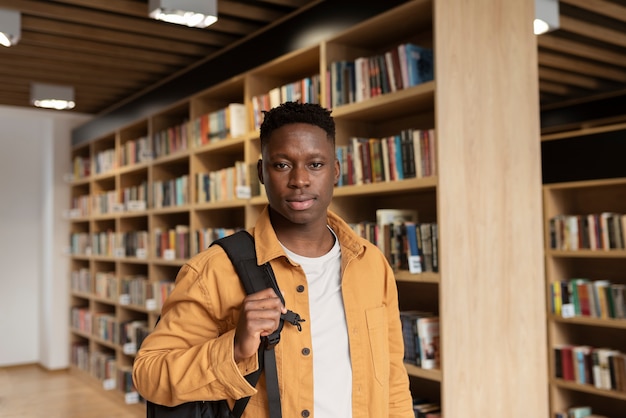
[337,171]
[259,170]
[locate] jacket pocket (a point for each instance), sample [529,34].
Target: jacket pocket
[379,342]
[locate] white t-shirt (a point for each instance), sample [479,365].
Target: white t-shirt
[332,369]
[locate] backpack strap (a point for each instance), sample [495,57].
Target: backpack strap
[241,251]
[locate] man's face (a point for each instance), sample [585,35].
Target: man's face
[299,170]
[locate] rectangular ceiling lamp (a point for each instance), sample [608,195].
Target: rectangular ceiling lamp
[52,96]
[10,27]
[546,16]
[193,13]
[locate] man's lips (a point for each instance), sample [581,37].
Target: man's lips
[300,202]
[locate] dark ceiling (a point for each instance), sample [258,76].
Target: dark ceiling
[112,52]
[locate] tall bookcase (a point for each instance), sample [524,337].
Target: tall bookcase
[579,324]
[483,148]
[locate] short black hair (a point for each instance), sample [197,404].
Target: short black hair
[296,112]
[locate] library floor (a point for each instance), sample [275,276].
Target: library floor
[32,392]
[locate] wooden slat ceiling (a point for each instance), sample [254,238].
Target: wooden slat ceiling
[111,50]
[586,56]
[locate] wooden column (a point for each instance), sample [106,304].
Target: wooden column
[490,217]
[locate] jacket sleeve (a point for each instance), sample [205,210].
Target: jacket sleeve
[400,400]
[189,355]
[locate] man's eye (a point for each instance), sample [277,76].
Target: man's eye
[317,165]
[280,165]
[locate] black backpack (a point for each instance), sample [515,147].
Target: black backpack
[240,250]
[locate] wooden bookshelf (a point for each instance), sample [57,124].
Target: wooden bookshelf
[598,262]
[471,293]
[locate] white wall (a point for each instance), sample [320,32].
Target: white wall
[35,151]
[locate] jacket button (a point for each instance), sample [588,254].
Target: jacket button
[305,413]
[300,289]
[306,351]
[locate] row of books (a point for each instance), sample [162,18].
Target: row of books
[410,154]
[128,290]
[81,167]
[169,243]
[420,331]
[228,122]
[603,368]
[172,192]
[138,291]
[80,206]
[132,194]
[105,161]
[106,285]
[104,202]
[222,185]
[105,327]
[172,243]
[205,236]
[365,77]
[104,367]
[81,319]
[407,245]
[306,90]
[136,151]
[79,355]
[132,334]
[591,298]
[173,139]
[578,412]
[595,231]
[80,280]
[110,244]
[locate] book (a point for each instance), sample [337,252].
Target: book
[394,216]
[414,254]
[419,64]
[408,319]
[567,362]
[618,295]
[428,332]
[579,411]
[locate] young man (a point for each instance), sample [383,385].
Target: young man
[347,359]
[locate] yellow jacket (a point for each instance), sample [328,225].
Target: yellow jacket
[189,355]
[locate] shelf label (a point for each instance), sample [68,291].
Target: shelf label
[169,254]
[129,348]
[568,311]
[131,397]
[119,252]
[124,299]
[415,264]
[146,155]
[108,384]
[117,207]
[243,192]
[141,253]
[151,304]
[136,205]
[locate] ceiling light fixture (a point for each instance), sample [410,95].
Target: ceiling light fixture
[193,13]
[546,16]
[10,27]
[52,96]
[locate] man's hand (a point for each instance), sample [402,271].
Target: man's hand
[260,316]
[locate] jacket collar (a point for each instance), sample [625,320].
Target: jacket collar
[268,247]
